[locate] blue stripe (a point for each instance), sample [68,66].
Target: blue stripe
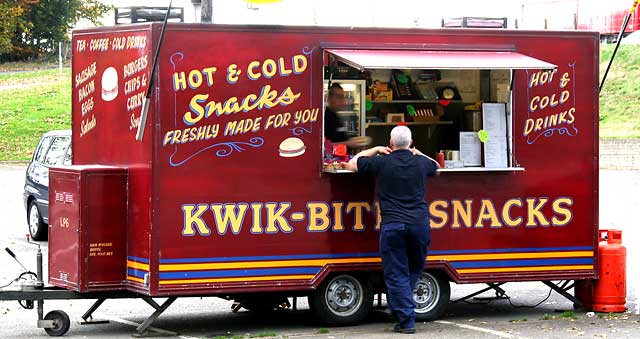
[511,250]
[271,257]
[238,273]
[361,255]
[136,273]
[528,262]
[142,260]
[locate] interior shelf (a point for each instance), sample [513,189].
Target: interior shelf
[408,123]
[410,101]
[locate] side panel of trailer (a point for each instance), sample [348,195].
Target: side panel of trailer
[230,213]
[110,74]
[215,204]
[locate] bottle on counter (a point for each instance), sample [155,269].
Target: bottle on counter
[440,159]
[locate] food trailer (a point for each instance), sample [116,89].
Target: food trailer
[234,192]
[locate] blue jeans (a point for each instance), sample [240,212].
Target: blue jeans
[403,249]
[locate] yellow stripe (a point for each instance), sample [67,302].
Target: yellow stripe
[307,277]
[137,265]
[323,262]
[238,279]
[527,255]
[525,269]
[138,280]
[259,264]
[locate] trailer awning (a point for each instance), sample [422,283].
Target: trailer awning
[419,59]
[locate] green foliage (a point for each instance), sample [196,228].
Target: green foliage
[34,27]
[13,22]
[571,315]
[568,315]
[263,335]
[323,331]
[53,19]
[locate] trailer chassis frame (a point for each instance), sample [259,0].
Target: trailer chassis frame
[39,295]
[561,288]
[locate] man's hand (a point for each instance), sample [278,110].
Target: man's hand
[416,151]
[383,150]
[352,165]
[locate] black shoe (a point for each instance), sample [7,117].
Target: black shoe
[399,329]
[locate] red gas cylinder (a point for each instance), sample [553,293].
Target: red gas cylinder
[610,290]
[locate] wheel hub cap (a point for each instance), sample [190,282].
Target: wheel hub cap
[344,296]
[33,220]
[426,294]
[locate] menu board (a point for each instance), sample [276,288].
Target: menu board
[470,149]
[110,79]
[494,122]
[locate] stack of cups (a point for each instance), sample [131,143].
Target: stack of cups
[455,155]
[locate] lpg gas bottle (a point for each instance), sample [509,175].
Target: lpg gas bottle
[610,290]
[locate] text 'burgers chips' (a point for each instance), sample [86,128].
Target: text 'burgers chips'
[291,147]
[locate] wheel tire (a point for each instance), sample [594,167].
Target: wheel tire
[61,323]
[342,300]
[37,227]
[431,296]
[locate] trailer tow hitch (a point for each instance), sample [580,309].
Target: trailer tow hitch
[32,291]
[55,323]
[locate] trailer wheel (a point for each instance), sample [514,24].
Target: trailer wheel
[37,227]
[61,323]
[431,296]
[342,300]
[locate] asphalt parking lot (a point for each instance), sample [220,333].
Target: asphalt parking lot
[193,318]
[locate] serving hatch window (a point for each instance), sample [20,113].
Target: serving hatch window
[457,103]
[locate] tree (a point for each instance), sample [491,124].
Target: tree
[12,22]
[38,25]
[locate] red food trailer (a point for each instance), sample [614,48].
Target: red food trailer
[234,192]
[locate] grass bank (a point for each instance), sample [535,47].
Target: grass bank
[620,96]
[31,103]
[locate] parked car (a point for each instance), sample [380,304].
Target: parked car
[54,149]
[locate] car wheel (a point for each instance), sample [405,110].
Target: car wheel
[342,300]
[37,227]
[431,296]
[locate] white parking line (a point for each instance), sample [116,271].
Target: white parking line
[155,329]
[480,329]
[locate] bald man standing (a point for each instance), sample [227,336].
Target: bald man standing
[401,180]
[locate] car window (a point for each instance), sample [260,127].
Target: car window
[67,156]
[42,149]
[57,150]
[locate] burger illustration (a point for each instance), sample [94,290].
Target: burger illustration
[291,147]
[109,84]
